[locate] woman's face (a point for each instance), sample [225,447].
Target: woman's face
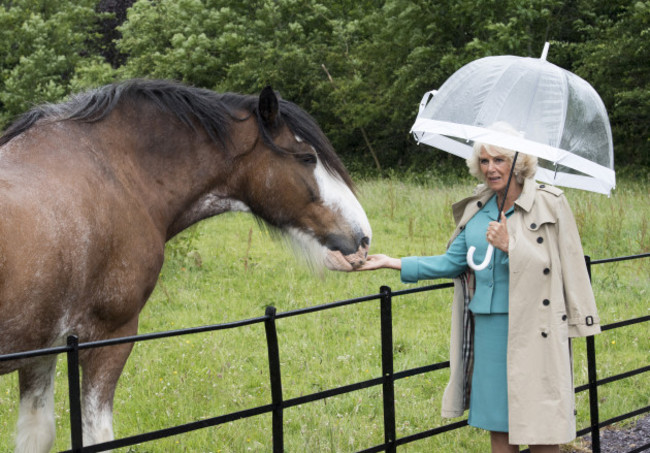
[496,170]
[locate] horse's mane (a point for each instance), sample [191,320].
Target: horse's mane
[213,111]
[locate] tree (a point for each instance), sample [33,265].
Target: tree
[227,45]
[41,45]
[109,33]
[243,46]
[616,60]
[359,67]
[408,47]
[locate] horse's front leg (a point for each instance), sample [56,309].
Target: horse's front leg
[102,368]
[35,433]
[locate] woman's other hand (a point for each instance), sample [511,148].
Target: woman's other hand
[380,261]
[497,234]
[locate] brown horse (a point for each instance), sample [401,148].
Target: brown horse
[90,191]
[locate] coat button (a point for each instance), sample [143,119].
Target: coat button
[544,334]
[547,271]
[540,240]
[462,227]
[533,226]
[479,204]
[546,302]
[564,317]
[541,186]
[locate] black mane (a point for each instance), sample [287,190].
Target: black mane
[213,111]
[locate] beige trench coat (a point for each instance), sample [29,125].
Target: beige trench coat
[550,301]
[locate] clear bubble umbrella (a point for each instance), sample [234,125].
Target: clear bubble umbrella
[560,117]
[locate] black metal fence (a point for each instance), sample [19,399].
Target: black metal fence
[279,404]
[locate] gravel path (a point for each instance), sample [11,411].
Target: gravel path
[621,440]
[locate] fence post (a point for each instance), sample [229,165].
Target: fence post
[593,395]
[76,436]
[593,386]
[276,379]
[387,369]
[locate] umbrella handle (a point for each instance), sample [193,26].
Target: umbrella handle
[486,261]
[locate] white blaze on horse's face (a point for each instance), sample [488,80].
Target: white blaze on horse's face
[337,196]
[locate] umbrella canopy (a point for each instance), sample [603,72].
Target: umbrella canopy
[560,117]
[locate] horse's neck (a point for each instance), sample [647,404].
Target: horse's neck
[183,176]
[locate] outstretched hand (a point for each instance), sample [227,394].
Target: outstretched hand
[380,261]
[497,234]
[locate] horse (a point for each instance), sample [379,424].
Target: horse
[93,187]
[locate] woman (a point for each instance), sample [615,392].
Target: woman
[510,354]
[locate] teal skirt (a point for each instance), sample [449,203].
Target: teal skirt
[488,403]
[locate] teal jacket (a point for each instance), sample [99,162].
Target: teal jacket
[491,295]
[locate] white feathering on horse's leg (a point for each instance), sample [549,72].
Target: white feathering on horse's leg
[97,420]
[36,427]
[100,430]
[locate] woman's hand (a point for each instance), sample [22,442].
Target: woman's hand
[497,234]
[374,262]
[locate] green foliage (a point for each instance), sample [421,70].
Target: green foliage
[360,68]
[225,45]
[617,59]
[41,45]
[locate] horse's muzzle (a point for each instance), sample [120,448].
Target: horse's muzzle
[343,257]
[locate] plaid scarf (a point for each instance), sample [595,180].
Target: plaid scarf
[468,284]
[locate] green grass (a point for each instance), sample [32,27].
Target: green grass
[227,269]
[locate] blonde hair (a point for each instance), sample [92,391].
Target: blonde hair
[525,167]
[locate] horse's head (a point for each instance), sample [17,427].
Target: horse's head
[295,182]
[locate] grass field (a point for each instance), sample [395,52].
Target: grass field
[227,269]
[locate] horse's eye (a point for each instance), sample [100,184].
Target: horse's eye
[307,158]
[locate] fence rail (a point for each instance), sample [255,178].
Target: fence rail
[278,404]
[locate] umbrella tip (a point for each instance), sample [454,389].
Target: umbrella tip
[545,51]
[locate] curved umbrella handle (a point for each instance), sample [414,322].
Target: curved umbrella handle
[486,261]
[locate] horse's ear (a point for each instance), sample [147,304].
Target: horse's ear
[268,107]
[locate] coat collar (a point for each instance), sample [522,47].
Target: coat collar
[527,197]
[470,205]
[463,210]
